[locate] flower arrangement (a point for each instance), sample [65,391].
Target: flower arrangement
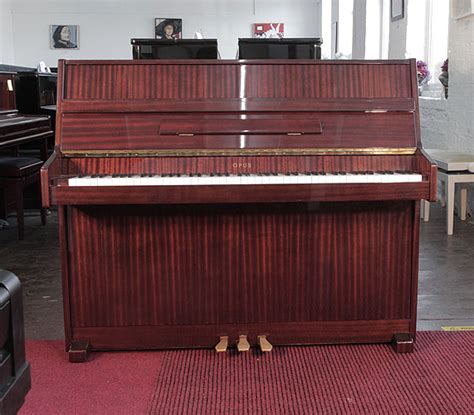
[422,72]
[443,77]
[444,66]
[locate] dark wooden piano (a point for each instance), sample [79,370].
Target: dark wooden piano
[15,128]
[244,203]
[18,130]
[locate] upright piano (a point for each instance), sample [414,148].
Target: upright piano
[16,128]
[36,93]
[248,203]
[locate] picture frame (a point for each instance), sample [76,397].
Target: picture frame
[268,30]
[168,28]
[397,10]
[63,36]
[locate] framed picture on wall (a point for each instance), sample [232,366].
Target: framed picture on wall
[397,9]
[64,36]
[168,28]
[269,30]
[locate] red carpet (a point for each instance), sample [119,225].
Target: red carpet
[110,383]
[436,379]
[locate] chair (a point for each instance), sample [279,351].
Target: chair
[15,174]
[453,168]
[15,379]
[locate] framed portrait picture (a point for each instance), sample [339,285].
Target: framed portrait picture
[269,30]
[397,9]
[63,36]
[168,28]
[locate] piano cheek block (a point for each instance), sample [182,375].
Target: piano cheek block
[237,220]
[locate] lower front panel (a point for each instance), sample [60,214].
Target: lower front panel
[280,334]
[181,276]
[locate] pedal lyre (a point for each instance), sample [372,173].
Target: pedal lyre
[265,345]
[222,345]
[243,344]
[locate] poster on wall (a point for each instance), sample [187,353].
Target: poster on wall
[64,36]
[269,30]
[168,28]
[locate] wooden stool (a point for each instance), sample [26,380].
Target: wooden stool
[453,168]
[15,174]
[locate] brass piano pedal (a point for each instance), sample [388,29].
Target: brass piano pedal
[243,344]
[222,345]
[265,345]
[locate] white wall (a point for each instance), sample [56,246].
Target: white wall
[398,36]
[358,29]
[6,32]
[106,26]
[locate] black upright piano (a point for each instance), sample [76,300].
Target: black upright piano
[286,48]
[174,48]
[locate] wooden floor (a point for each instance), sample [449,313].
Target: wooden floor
[446,289]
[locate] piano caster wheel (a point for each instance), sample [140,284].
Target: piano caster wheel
[265,345]
[243,344]
[221,347]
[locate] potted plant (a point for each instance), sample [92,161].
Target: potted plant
[443,77]
[423,74]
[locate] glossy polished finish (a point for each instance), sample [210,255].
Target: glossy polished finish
[15,128]
[7,92]
[184,266]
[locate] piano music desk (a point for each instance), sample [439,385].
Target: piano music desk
[452,168]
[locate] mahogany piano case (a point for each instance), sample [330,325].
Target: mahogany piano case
[201,200]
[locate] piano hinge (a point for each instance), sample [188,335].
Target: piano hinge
[185,134]
[376,111]
[294,133]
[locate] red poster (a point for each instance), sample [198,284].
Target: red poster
[268,30]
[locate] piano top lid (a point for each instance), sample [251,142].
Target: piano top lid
[152,41]
[297,62]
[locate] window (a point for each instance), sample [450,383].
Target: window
[346,9]
[427,34]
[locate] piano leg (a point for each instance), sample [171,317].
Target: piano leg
[79,351]
[19,209]
[43,212]
[403,343]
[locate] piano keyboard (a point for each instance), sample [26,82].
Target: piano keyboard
[244,179]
